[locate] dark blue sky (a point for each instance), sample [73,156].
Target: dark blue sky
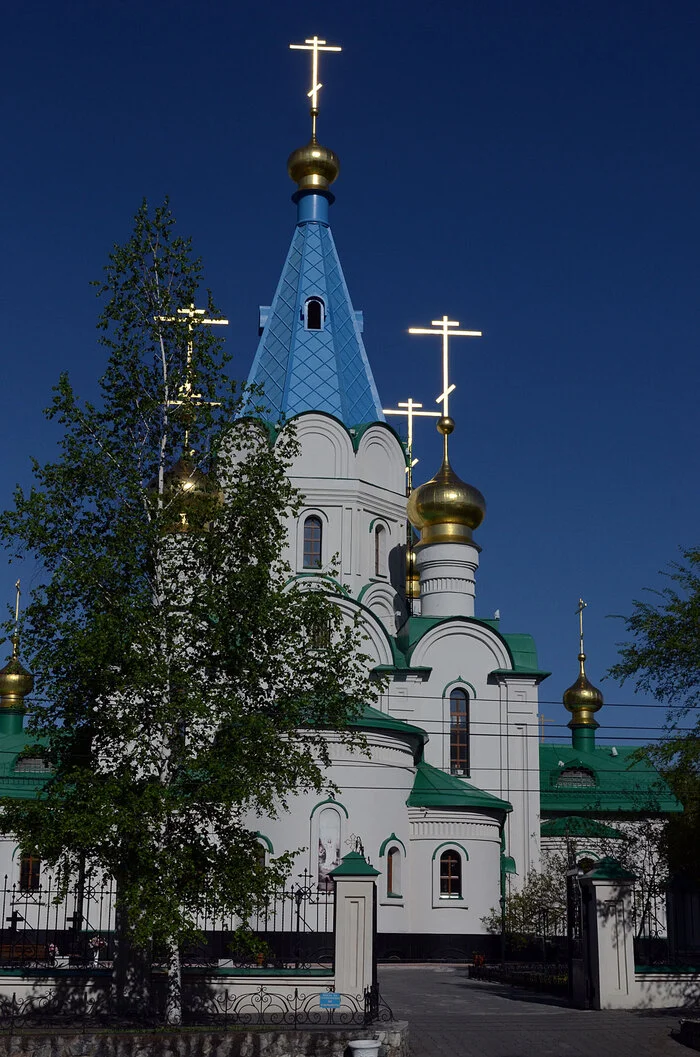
[529,168]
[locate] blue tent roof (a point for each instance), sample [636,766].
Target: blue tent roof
[314,370]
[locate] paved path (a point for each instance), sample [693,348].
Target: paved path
[452,1016]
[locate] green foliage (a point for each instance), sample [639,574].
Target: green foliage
[663,659]
[540,905]
[177,689]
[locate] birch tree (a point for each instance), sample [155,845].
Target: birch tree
[178,685]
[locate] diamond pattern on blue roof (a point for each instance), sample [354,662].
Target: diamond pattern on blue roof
[314,370]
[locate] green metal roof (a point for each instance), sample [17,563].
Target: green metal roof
[578,826]
[25,785]
[434,788]
[372,719]
[624,784]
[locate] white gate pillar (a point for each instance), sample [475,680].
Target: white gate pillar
[608,936]
[355,905]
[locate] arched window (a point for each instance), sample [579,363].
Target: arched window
[393,873]
[459,731]
[314,314]
[328,846]
[450,875]
[576,778]
[29,872]
[313,537]
[380,551]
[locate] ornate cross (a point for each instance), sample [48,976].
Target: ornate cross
[410,408]
[314,45]
[196,317]
[444,327]
[581,606]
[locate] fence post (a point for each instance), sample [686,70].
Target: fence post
[608,936]
[354,924]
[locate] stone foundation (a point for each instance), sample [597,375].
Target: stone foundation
[323,1042]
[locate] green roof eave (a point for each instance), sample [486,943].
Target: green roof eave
[402,669]
[372,719]
[531,673]
[434,788]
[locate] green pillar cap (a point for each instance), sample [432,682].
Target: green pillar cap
[609,869]
[354,865]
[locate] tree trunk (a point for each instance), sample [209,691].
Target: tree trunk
[131,976]
[173,996]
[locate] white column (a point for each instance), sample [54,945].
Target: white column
[447,578]
[354,924]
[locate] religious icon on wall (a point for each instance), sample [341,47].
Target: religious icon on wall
[328,847]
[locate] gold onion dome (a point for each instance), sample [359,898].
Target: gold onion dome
[191,497]
[445,509]
[313,167]
[15,681]
[583,699]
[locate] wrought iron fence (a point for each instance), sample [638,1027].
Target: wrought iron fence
[83,1010]
[74,926]
[649,916]
[51,924]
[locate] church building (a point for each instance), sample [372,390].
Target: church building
[448,799]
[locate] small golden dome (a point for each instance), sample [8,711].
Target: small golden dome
[583,699]
[15,681]
[190,498]
[412,577]
[313,166]
[445,509]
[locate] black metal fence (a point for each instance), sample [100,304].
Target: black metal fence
[74,926]
[83,1010]
[649,916]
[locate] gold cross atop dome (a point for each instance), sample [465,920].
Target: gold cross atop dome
[581,606]
[445,327]
[314,45]
[410,409]
[195,317]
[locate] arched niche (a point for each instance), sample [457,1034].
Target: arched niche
[477,647]
[325,447]
[381,460]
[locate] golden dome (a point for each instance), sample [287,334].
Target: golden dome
[15,681]
[412,577]
[190,497]
[445,509]
[583,699]
[313,166]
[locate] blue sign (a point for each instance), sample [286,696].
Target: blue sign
[329,1000]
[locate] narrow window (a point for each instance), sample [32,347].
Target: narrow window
[315,314]
[379,549]
[29,871]
[313,533]
[393,873]
[320,632]
[450,875]
[328,847]
[459,732]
